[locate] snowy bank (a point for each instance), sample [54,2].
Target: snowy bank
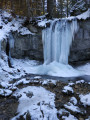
[38,101]
[8,23]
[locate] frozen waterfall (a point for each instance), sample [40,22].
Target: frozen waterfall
[57,40]
[0,48]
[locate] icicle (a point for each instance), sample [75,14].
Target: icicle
[57,40]
[0,48]
[11,45]
[11,41]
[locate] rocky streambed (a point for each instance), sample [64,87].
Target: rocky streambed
[72,98]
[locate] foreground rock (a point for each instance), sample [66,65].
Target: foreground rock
[68,104]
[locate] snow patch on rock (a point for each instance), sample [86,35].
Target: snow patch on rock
[41,101]
[85,99]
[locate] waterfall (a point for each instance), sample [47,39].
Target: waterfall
[57,40]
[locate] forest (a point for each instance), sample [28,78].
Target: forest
[56,8]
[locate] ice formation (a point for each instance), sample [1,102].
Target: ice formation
[11,45]
[0,48]
[57,40]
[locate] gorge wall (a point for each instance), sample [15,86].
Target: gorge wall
[31,45]
[80,49]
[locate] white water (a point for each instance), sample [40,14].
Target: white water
[57,40]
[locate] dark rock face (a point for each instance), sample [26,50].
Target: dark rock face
[80,50]
[28,46]
[31,46]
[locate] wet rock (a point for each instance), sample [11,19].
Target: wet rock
[59,104]
[32,28]
[80,49]
[1,27]
[21,118]
[3,117]
[29,94]
[52,85]
[81,118]
[28,116]
[27,78]
[27,46]
[8,108]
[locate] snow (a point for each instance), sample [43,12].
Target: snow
[14,25]
[22,81]
[67,88]
[26,66]
[70,117]
[61,111]
[55,69]
[37,77]
[72,107]
[5,92]
[73,100]
[43,23]
[40,100]
[6,14]
[84,15]
[85,99]
[24,31]
[5,84]
[71,84]
[85,68]
[48,81]
[88,118]
[21,68]
[80,81]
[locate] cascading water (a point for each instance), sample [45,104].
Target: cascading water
[57,40]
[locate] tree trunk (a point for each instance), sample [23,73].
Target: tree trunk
[51,4]
[30,14]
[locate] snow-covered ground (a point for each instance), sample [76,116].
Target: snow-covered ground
[26,66]
[38,101]
[53,69]
[85,99]
[85,68]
